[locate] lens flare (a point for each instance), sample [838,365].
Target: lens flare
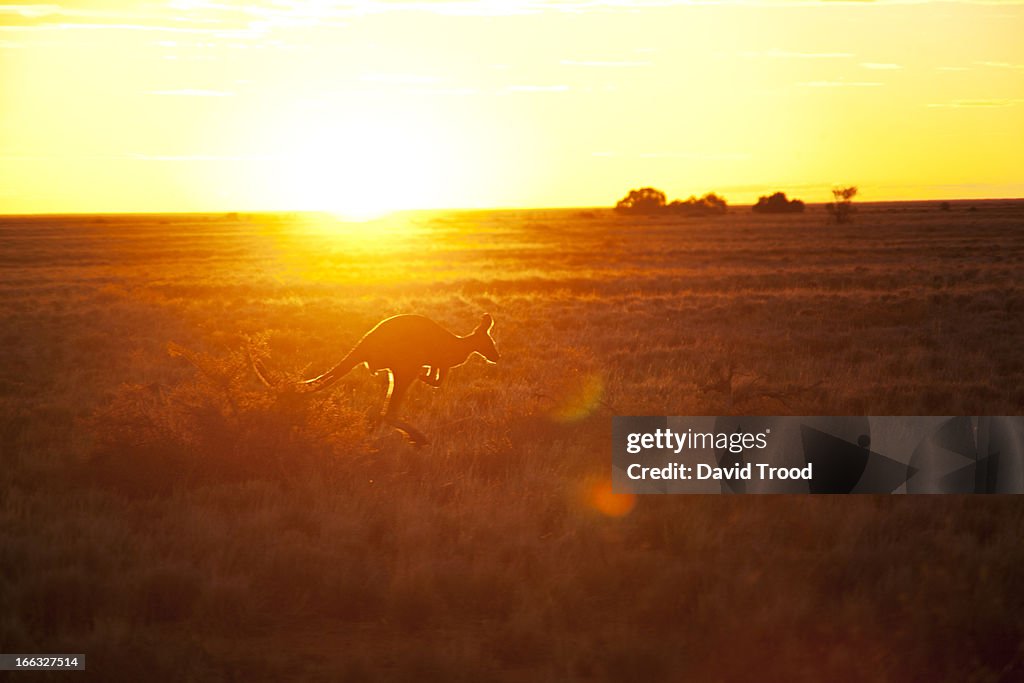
[598,496]
[579,398]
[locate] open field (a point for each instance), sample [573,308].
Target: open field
[175,520]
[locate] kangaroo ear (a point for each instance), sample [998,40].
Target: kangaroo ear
[486,323]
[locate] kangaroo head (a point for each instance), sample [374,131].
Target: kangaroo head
[483,342]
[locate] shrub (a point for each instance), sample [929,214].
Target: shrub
[841,207]
[777,203]
[710,203]
[648,200]
[644,200]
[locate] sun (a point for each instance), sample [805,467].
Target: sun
[360,167]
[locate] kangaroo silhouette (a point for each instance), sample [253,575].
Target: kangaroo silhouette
[410,348]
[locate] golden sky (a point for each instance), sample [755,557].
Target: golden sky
[361,106]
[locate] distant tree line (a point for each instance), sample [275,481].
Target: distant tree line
[650,201]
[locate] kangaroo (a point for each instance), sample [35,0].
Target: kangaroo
[410,348]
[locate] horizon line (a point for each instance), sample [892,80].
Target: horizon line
[340,214]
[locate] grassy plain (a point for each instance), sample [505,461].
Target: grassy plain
[175,521]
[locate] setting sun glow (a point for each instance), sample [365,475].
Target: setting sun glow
[358,166]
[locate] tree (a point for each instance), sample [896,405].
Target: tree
[647,200]
[777,203]
[644,200]
[841,207]
[709,203]
[713,203]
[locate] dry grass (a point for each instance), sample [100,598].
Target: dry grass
[174,518]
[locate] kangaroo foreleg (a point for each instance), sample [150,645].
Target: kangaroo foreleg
[433,376]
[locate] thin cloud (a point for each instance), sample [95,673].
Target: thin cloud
[841,84]
[537,88]
[881,66]
[1000,65]
[973,104]
[700,156]
[605,64]
[792,54]
[398,79]
[675,154]
[30,11]
[148,17]
[196,157]
[442,91]
[153,28]
[191,92]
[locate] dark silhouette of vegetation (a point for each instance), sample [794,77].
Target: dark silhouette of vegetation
[841,208]
[777,203]
[644,200]
[709,203]
[648,200]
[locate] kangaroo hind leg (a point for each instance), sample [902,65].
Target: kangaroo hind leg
[399,386]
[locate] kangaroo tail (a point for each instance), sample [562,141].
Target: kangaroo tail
[325,380]
[262,373]
[330,377]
